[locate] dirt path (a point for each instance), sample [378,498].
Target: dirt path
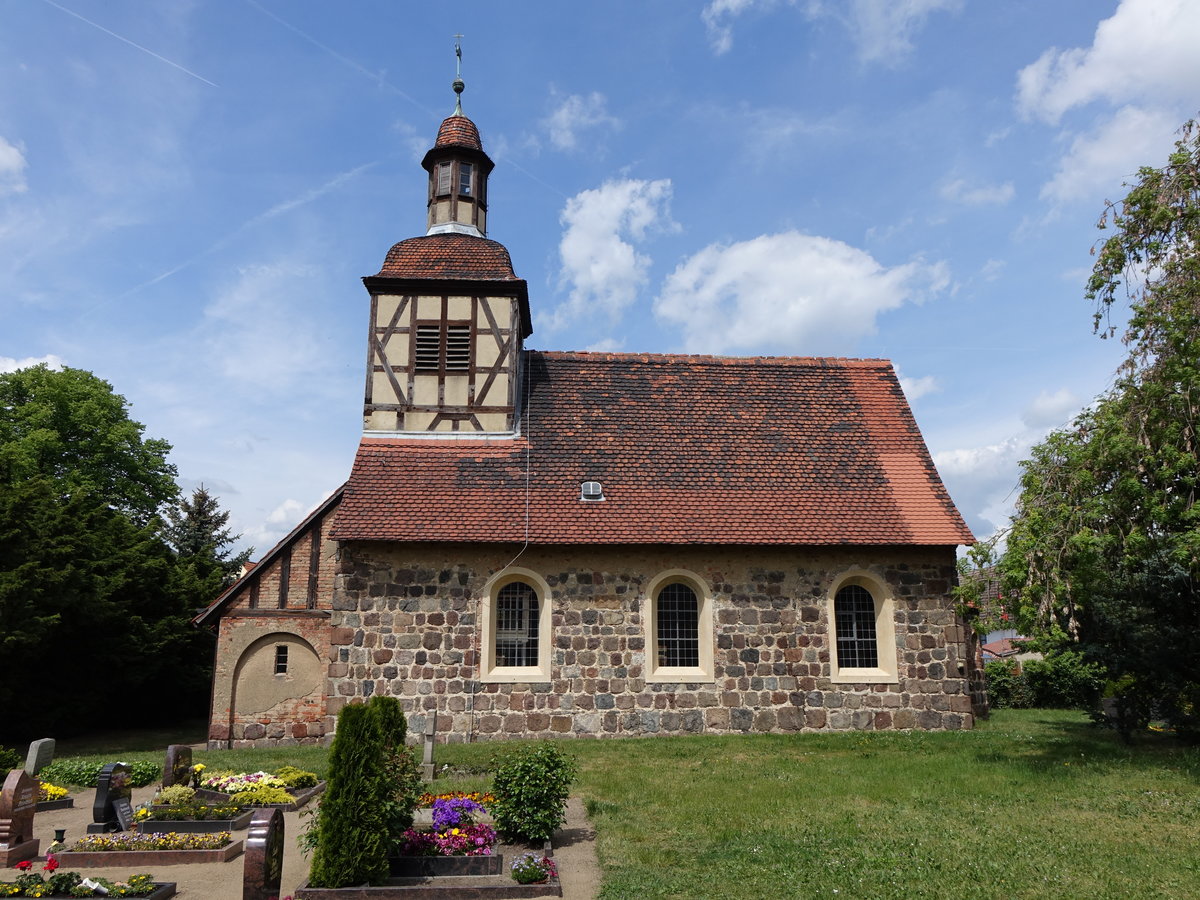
[575,852]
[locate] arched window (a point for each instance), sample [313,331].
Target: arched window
[516,625]
[679,629]
[862,627]
[677,623]
[517,637]
[854,611]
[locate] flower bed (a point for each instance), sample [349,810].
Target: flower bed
[50,882]
[156,849]
[194,820]
[456,845]
[288,788]
[51,796]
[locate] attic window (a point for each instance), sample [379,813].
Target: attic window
[454,355]
[443,179]
[464,177]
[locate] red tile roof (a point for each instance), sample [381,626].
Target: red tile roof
[458,131]
[448,256]
[689,450]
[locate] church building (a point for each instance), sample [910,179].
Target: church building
[536,544]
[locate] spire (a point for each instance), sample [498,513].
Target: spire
[458,84]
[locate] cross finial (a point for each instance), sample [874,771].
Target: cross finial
[458,82]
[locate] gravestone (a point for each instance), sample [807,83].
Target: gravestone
[428,772]
[262,873]
[178,768]
[18,802]
[41,754]
[114,788]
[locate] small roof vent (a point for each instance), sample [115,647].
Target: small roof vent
[591,491]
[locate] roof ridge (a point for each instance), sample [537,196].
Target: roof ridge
[609,356]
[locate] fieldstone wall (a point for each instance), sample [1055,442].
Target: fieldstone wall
[405,623]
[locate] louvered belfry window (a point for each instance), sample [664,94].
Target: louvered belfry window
[854,612]
[451,355]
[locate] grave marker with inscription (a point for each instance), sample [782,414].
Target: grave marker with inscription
[113,786]
[41,754]
[178,768]
[263,870]
[18,803]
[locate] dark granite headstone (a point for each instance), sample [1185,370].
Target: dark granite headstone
[113,784]
[263,870]
[41,754]
[178,768]
[18,803]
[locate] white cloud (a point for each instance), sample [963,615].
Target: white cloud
[599,261]
[915,388]
[574,114]
[959,191]
[9,364]
[256,332]
[1145,52]
[791,291]
[983,481]
[716,18]
[1098,162]
[883,29]
[1051,410]
[12,169]
[992,269]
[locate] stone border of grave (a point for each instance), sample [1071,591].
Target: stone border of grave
[82,859]
[193,826]
[217,797]
[424,889]
[51,805]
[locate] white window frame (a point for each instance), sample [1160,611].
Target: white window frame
[887,671]
[489,671]
[704,672]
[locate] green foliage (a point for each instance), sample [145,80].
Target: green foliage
[196,530]
[263,794]
[175,794]
[1104,552]
[87,583]
[1063,680]
[402,773]
[351,824]
[85,773]
[531,785]
[296,779]
[70,427]
[9,760]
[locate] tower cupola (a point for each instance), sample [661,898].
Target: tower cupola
[458,173]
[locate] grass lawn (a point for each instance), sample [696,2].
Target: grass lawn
[1033,803]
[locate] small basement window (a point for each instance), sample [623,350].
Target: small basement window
[281,659]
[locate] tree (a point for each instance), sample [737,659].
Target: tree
[196,530]
[94,606]
[70,427]
[1105,546]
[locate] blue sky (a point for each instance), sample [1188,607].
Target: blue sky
[190,193]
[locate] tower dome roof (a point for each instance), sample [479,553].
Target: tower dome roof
[458,131]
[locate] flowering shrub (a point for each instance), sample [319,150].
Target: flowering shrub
[483,798]
[51,882]
[465,840]
[232,783]
[125,840]
[456,811]
[530,868]
[47,791]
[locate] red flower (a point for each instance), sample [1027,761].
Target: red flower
[51,863]
[24,865]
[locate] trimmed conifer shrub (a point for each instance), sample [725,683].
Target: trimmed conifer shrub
[352,826]
[403,774]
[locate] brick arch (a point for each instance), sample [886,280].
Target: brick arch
[270,708]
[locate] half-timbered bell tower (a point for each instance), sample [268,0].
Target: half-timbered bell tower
[448,314]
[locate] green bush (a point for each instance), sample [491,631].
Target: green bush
[402,773]
[530,786]
[1007,687]
[263,794]
[9,760]
[175,795]
[1063,680]
[83,773]
[296,779]
[351,823]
